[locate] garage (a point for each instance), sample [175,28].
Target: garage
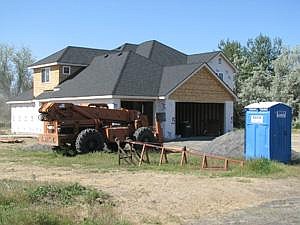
[199,119]
[144,107]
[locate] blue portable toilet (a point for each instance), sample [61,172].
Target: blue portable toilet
[268,131]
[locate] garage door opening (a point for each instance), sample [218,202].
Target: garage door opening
[145,108]
[199,119]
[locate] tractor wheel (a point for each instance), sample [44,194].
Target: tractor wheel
[144,134]
[89,140]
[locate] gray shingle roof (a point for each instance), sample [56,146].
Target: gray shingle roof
[124,73]
[149,69]
[73,55]
[174,75]
[24,96]
[202,57]
[140,77]
[127,47]
[161,54]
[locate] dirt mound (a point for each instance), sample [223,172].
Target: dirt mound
[230,144]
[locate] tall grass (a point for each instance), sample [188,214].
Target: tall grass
[24,203]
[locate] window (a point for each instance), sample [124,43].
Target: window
[220,60]
[66,70]
[45,75]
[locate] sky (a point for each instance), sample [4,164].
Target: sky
[190,26]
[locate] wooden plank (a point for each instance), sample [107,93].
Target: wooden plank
[11,140]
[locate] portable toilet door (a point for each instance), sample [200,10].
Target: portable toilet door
[281,127]
[257,134]
[268,131]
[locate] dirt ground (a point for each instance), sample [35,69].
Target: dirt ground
[149,197]
[165,198]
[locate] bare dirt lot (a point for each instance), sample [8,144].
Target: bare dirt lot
[149,198]
[169,198]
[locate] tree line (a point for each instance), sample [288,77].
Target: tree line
[15,77]
[267,71]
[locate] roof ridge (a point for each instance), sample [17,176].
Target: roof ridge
[148,59]
[205,53]
[72,46]
[63,54]
[152,47]
[184,64]
[122,70]
[169,47]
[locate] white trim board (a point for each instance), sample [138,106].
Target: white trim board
[54,64]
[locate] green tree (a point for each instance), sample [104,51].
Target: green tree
[232,49]
[14,76]
[286,82]
[6,70]
[23,80]
[255,70]
[262,51]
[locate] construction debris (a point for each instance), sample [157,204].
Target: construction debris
[128,155]
[11,140]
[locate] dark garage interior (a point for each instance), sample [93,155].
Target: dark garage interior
[145,108]
[199,119]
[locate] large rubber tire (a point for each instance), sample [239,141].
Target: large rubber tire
[144,134]
[89,140]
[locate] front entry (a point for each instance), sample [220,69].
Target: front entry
[199,119]
[145,108]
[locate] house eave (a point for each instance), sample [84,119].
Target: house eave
[20,102]
[54,64]
[101,97]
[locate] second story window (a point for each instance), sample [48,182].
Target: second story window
[66,70]
[220,60]
[45,75]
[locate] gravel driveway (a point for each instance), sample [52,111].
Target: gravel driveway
[279,212]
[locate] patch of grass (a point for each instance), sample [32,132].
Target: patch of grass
[65,195]
[152,220]
[101,162]
[263,167]
[27,203]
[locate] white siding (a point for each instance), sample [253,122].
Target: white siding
[168,126]
[224,68]
[24,118]
[228,113]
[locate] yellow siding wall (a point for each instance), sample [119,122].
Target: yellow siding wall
[202,87]
[54,79]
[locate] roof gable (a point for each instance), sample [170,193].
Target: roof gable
[202,86]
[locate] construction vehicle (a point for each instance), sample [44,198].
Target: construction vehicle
[89,128]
